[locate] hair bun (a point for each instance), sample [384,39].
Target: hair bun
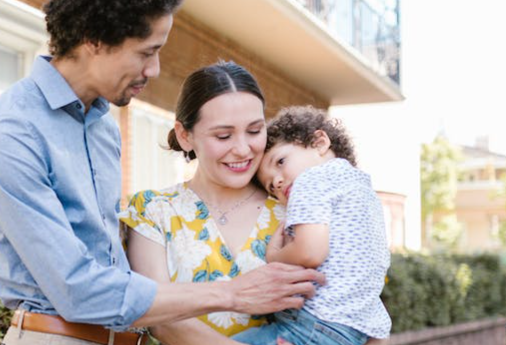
[172,141]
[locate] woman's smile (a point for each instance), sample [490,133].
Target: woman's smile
[239,166]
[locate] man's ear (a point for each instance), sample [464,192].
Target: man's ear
[184,137]
[93,48]
[321,142]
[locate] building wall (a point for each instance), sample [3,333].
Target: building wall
[192,45]
[480,211]
[394,214]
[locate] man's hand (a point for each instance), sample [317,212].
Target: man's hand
[272,288]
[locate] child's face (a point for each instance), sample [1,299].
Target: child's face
[282,164]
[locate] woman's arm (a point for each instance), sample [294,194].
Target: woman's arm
[309,247]
[149,258]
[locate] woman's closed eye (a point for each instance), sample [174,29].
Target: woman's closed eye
[223,136]
[255,131]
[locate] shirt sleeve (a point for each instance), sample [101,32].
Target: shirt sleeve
[310,200]
[34,222]
[147,213]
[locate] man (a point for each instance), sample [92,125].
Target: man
[62,265]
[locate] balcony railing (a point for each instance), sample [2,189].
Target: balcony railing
[370,26]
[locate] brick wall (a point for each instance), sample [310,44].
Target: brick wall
[192,45]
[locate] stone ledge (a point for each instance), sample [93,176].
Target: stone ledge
[495,326]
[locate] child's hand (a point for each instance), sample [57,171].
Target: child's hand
[276,242]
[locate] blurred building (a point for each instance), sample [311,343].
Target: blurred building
[478,207]
[320,52]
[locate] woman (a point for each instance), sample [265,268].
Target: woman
[215,226]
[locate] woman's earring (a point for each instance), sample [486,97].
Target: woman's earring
[187,157]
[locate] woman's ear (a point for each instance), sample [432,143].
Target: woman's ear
[321,142]
[184,137]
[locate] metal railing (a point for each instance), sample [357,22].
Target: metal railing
[370,26]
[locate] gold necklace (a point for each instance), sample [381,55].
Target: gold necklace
[222,220]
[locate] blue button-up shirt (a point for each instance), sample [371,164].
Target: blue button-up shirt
[60,250]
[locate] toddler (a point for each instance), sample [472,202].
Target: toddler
[334,222]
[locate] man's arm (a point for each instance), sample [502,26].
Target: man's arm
[150,259]
[309,248]
[34,223]
[264,290]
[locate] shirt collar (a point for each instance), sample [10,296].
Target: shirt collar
[51,83]
[55,88]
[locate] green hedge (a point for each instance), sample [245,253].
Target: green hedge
[439,290]
[425,291]
[5,317]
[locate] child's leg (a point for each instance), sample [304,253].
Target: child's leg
[264,335]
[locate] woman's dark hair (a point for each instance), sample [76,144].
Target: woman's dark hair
[205,84]
[72,22]
[298,124]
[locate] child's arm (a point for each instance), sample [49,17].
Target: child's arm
[309,247]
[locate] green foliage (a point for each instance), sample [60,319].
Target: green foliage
[439,175]
[5,320]
[446,233]
[502,233]
[502,225]
[439,290]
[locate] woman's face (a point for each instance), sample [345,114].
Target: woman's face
[229,139]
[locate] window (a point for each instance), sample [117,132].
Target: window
[22,37]
[152,166]
[10,67]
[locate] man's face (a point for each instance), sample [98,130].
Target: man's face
[120,73]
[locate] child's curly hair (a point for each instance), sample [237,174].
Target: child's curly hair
[298,124]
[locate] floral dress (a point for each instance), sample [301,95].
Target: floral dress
[196,252]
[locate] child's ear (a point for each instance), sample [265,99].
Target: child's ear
[184,137]
[321,142]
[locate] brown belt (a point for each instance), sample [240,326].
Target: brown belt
[56,325]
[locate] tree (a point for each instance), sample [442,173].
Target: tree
[502,226]
[439,176]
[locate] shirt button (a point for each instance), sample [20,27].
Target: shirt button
[78,106]
[103,217]
[113,260]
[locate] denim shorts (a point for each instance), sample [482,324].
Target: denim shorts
[301,328]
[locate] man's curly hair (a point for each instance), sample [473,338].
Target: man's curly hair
[298,124]
[73,22]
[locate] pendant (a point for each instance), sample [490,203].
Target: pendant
[223,219]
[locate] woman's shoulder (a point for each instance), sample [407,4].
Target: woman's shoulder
[143,199]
